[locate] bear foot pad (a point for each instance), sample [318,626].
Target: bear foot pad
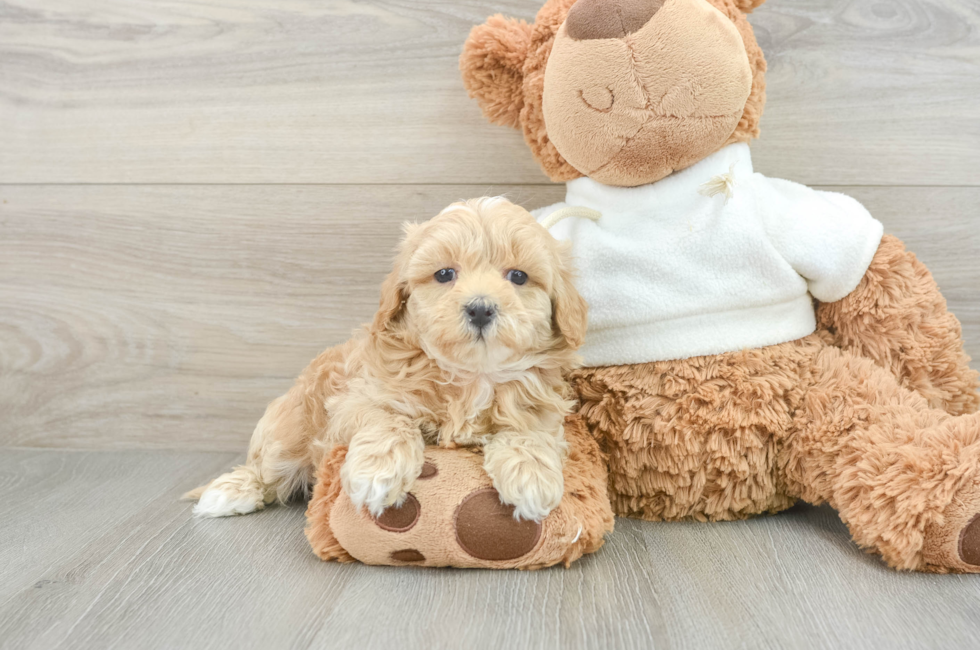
[954,546]
[487,530]
[970,542]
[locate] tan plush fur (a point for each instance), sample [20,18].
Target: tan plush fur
[326,490]
[421,373]
[874,414]
[658,99]
[733,435]
[494,68]
[338,531]
[898,318]
[511,93]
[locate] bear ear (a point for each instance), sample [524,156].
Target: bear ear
[748,5]
[492,65]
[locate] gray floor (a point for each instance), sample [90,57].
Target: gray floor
[96,552]
[197,196]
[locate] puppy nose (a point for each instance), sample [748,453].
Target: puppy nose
[609,18]
[480,312]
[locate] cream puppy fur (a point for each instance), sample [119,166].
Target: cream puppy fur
[478,324]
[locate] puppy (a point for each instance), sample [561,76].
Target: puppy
[478,324]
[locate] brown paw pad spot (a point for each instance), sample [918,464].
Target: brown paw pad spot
[970,542]
[428,470]
[487,530]
[407,555]
[401,518]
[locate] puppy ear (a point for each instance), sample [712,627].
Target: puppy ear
[492,65]
[394,290]
[394,293]
[569,307]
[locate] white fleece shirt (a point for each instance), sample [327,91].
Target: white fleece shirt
[671,273]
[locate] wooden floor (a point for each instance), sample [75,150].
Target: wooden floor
[196,196]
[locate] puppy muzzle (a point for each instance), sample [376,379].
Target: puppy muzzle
[480,314]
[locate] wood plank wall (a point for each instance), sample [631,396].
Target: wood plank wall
[196,197]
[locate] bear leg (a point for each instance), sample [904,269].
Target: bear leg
[905,477]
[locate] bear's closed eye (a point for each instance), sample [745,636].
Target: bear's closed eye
[598,98]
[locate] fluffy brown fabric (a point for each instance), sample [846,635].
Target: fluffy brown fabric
[898,318]
[733,435]
[493,68]
[877,453]
[490,75]
[338,531]
[696,439]
[325,492]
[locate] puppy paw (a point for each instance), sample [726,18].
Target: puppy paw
[378,473]
[235,493]
[527,472]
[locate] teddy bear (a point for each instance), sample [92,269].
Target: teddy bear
[752,341]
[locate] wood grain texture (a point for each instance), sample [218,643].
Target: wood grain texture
[97,553]
[168,317]
[307,91]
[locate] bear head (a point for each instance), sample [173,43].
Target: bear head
[623,91]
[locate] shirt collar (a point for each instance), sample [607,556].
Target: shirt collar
[679,185]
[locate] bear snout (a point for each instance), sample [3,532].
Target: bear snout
[590,19]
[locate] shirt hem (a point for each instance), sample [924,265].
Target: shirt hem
[700,335]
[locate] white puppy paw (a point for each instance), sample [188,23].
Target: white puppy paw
[527,472]
[235,493]
[376,475]
[218,503]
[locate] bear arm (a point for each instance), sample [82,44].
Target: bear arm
[898,318]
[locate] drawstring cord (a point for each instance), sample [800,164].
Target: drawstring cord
[721,184]
[570,211]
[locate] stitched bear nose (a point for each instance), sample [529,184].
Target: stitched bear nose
[480,313]
[609,18]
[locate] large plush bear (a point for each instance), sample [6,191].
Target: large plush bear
[752,341]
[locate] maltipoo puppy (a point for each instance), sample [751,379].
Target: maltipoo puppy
[478,324]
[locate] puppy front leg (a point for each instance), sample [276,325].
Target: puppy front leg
[384,458]
[526,469]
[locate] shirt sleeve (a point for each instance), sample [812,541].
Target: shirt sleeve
[828,238]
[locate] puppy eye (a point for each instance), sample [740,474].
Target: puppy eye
[517,277]
[445,275]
